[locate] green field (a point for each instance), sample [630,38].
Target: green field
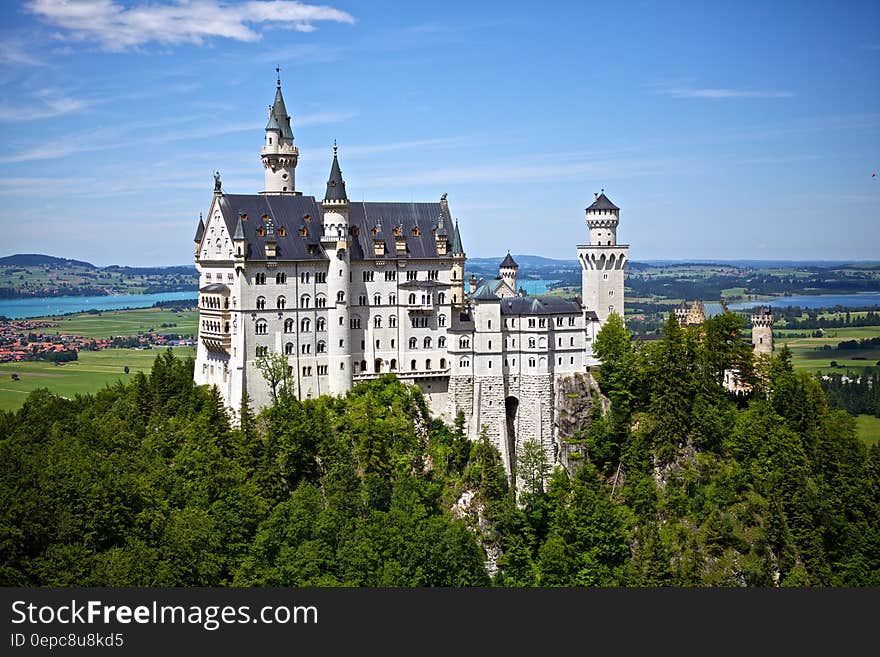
[93,371]
[805,356]
[868,428]
[111,323]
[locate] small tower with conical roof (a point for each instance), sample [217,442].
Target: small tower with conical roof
[456,250]
[603,260]
[509,271]
[335,240]
[279,155]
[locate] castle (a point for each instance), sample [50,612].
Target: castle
[348,291]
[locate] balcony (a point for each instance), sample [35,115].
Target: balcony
[216,341]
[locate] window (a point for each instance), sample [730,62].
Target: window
[412,365]
[304,301]
[432,275]
[490,364]
[320,301]
[489,324]
[393,365]
[392,321]
[559,321]
[610,309]
[571,342]
[441,298]
[490,344]
[531,362]
[531,343]
[610,293]
[412,299]
[427,343]
[320,324]
[560,342]
[392,343]
[464,343]
[261,303]
[377,299]
[442,363]
[322,369]
[412,343]
[392,299]
[428,364]
[531,322]
[304,277]
[320,277]
[306,348]
[288,348]
[340,297]
[355,322]
[368,276]
[604,277]
[441,342]
[362,300]
[391,275]
[288,325]
[464,362]
[542,323]
[305,324]
[571,321]
[262,327]
[377,322]
[322,347]
[280,278]
[261,351]
[260,279]
[378,344]
[307,371]
[412,275]
[280,302]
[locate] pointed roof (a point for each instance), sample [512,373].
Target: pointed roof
[239,230]
[200,230]
[456,240]
[335,184]
[602,203]
[509,262]
[278,117]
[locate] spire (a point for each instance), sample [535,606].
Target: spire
[278,117]
[239,229]
[200,230]
[457,248]
[602,202]
[335,185]
[509,262]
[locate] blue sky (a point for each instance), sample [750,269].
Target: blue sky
[722,130]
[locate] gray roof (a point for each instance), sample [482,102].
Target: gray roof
[541,305]
[509,262]
[424,284]
[335,184]
[200,231]
[286,211]
[602,203]
[456,246]
[239,230]
[215,288]
[278,117]
[387,216]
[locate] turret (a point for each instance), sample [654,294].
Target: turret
[456,249]
[602,219]
[335,242]
[279,155]
[509,271]
[762,331]
[200,232]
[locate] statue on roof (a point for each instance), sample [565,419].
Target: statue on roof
[216,181]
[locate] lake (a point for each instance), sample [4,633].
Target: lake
[42,306]
[534,286]
[814,301]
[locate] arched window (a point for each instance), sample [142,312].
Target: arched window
[262,327]
[427,342]
[288,348]
[306,348]
[260,279]
[288,325]
[441,320]
[304,325]
[280,303]
[412,365]
[542,343]
[441,298]
[531,362]
[355,322]
[320,324]
[393,365]
[363,366]
[261,303]
[464,343]
[412,299]
[392,320]
[377,299]
[280,278]
[412,343]
[464,362]
[304,301]
[442,363]
[377,322]
[427,363]
[340,297]
[322,346]
[321,301]
[441,342]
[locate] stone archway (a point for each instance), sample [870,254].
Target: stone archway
[511,406]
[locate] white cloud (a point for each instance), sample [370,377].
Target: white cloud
[47,104]
[17,51]
[119,27]
[685,92]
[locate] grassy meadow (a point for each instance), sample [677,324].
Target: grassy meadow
[868,429]
[110,323]
[91,372]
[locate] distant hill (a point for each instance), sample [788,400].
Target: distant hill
[524,261]
[39,260]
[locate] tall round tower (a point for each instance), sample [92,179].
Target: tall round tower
[762,331]
[334,239]
[603,260]
[278,154]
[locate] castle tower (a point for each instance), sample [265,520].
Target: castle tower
[603,260]
[334,239]
[509,270]
[762,331]
[278,154]
[457,270]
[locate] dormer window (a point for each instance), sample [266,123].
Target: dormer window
[282,231]
[265,217]
[261,232]
[243,216]
[303,232]
[307,218]
[415,231]
[397,231]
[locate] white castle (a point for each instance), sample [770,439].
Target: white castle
[349,291]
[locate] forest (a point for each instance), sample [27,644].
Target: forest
[680,484]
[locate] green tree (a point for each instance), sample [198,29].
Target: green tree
[276,371]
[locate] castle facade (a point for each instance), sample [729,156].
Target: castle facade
[349,291]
